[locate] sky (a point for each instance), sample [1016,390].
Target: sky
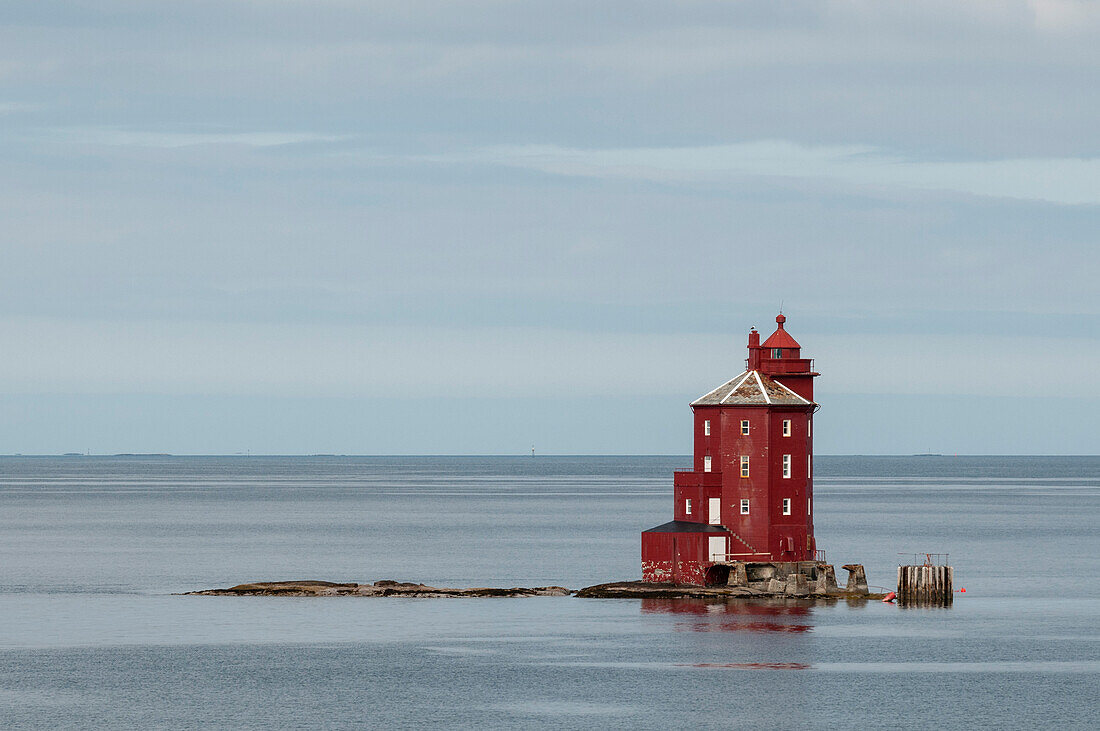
[483,227]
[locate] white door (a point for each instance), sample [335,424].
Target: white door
[717,548]
[714,517]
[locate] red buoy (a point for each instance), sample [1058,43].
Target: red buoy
[890,597]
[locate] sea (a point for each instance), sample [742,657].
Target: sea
[95,553]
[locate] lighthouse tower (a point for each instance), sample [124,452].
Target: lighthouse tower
[749,495]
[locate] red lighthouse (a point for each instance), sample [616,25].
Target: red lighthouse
[749,496]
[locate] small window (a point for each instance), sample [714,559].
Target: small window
[706,427]
[809,509]
[744,466]
[809,427]
[744,426]
[687,506]
[706,463]
[777,352]
[786,427]
[809,465]
[786,506]
[744,506]
[787,466]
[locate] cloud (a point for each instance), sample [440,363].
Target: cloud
[1058,180]
[120,137]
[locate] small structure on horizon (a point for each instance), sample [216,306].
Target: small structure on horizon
[749,497]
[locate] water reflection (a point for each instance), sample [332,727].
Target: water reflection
[738,615]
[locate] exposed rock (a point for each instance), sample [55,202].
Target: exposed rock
[378,588]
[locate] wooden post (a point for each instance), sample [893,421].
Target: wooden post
[925,586]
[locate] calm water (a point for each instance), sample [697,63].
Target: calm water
[92,549]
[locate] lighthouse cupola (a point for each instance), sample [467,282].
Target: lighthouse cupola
[781,345]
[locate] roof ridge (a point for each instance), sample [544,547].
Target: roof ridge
[744,377]
[764,391]
[790,391]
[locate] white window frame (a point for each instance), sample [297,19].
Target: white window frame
[706,463]
[687,506]
[744,506]
[786,427]
[706,427]
[809,465]
[786,466]
[810,427]
[744,466]
[744,427]
[786,506]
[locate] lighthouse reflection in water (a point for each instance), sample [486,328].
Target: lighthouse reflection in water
[737,615]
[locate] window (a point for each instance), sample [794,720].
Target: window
[809,427]
[706,427]
[809,465]
[787,466]
[786,506]
[786,427]
[744,466]
[687,506]
[744,506]
[706,463]
[809,509]
[744,426]
[777,352]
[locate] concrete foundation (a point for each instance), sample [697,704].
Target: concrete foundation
[795,578]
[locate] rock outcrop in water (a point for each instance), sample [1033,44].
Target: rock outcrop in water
[378,588]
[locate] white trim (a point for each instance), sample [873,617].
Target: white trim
[744,377]
[763,391]
[791,392]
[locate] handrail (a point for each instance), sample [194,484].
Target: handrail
[737,556]
[928,559]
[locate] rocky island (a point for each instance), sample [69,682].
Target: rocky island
[378,588]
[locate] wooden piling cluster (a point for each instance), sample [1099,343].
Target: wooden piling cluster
[925,586]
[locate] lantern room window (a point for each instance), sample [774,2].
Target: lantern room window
[744,506]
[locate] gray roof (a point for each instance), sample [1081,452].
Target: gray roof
[751,388]
[683,526]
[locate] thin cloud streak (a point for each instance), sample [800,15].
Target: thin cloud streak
[1069,181]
